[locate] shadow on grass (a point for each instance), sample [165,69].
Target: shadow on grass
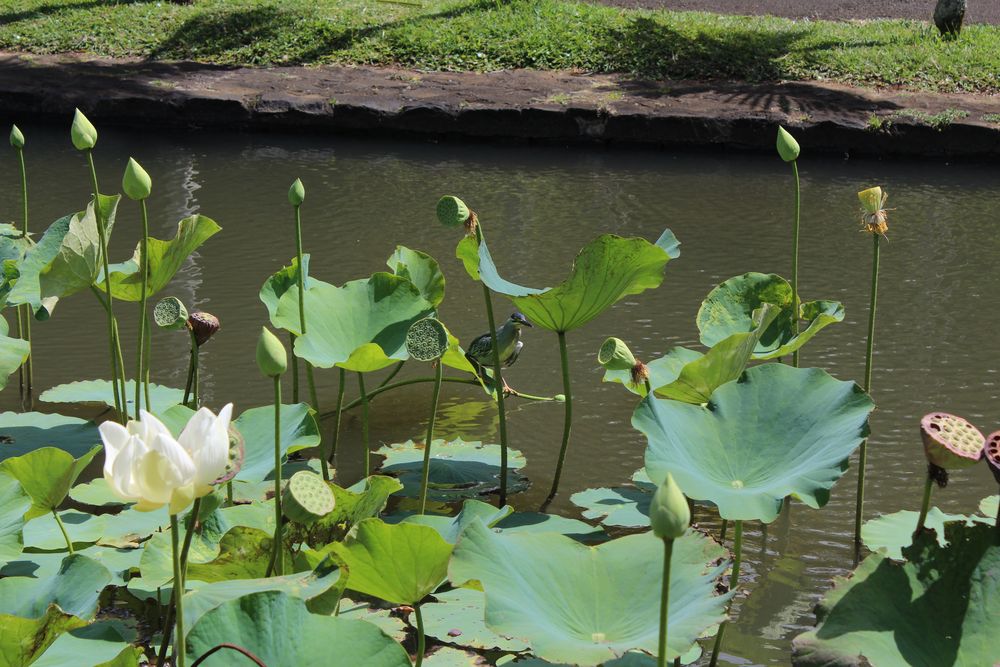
[43,11]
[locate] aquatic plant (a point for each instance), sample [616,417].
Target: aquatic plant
[991,453]
[788,149]
[137,186]
[297,195]
[272,361]
[669,517]
[24,313]
[427,340]
[950,443]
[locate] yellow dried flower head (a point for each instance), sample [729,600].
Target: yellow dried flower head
[874,214]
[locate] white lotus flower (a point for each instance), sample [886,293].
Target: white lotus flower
[144,463]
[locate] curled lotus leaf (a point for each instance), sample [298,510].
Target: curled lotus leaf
[730,307]
[451,527]
[13,352]
[778,431]
[46,475]
[420,269]
[281,282]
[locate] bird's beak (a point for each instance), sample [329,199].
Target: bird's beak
[527,323]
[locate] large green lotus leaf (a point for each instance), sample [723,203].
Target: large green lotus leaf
[420,269]
[608,269]
[282,281]
[76,588]
[776,432]
[449,656]
[458,469]
[21,433]
[96,493]
[42,565]
[364,500]
[630,659]
[893,532]
[938,608]
[585,605]
[165,259]
[99,391]
[22,640]
[244,553]
[990,505]
[13,352]
[662,371]
[538,522]
[622,506]
[467,251]
[299,430]
[279,629]
[130,527]
[99,644]
[729,309]
[458,618]
[66,260]
[361,326]
[450,527]
[46,475]
[401,563]
[310,586]
[44,533]
[375,613]
[14,502]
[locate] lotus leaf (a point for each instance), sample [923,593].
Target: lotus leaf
[96,493]
[778,431]
[165,259]
[585,605]
[457,618]
[538,522]
[621,506]
[728,309]
[99,391]
[21,433]
[360,327]
[608,269]
[447,656]
[420,269]
[662,371]
[400,563]
[46,475]
[282,281]
[938,608]
[458,469]
[630,659]
[893,532]
[990,505]
[14,502]
[304,639]
[13,352]
[42,565]
[99,644]
[44,533]
[380,617]
[130,527]
[451,527]
[365,499]
[75,588]
[299,430]
[24,639]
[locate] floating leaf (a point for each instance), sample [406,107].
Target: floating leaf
[622,507]
[44,533]
[365,499]
[420,269]
[304,638]
[938,608]
[778,431]
[380,617]
[458,469]
[14,502]
[989,505]
[99,644]
[728,309]
[46,475]
[21,433]
[299,430]
[165,259]
[43,565]
[100,391]
[537,522]
[97,493]
[892,532]
[662,371]
[457,618]
[75,588]
[451,527]
[24,639]
[585,605]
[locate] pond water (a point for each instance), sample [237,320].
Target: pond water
[936,341]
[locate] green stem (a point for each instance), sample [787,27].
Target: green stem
[141,347]
[146,358]
[190,376]
[20,369]
[180,659]
[925,504]
[195,370]
[331,456]
[795,260]
[869,350]
[661,654]
[364,423]
[300,278]
[69,542]
[30,361]
[295,368]
[430,437]
[568,421]
[229,493]
[26,372]
[722,532]
[195,510]
[121,368]
[24,191]
[734,580]
[421,641]
[276,553]
[998,516]
[395,371]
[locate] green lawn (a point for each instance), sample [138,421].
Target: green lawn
[488,34]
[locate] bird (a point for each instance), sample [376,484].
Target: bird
[480,352]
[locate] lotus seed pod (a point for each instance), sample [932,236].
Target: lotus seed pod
[788,148]
[669,514]
[237,451]
[297,193]
[950,442]
[427,340]
[83,133]
[271,358]
[136,182]
[204,325]
[874,215]
[170,313]
[307,498]
[614,355]
[992,451]
[16,137]
[452,211]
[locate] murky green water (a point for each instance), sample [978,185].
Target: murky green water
[938,317]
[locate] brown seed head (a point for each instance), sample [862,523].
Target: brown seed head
[204,325]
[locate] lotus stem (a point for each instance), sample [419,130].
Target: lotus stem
[869,350]
[430,436]
[20,369]
[568,422]
[795,260]
[295,368]
[454,380]
[331,456]
[734,581]
[169,621]
[113,346]
[232,647]
[141,347]
[229,493]
[925,504]
[191,388]
[722,532]
[26,371]
[364,423]
[276,554]
[180,659]
[395,371]
[146,359]
[302,317]
[661,654]
[192,360]
[421,641]
[69,542]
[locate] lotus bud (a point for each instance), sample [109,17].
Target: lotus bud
[669,514]
[83,133]
[16,137]
[306,498]
[427,340]
[271,358]
[874,214]
[204,325]
[992,451]
[170,313]
[136,182]
[297,193]
[615,355]
[788,148]
[950,442]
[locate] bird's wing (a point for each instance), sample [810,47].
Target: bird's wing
[514,355]
[480,348]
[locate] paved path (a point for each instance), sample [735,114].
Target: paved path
[980,11]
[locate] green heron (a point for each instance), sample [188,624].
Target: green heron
[480,351]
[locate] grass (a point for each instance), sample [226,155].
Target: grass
[488,35]
[938,121]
